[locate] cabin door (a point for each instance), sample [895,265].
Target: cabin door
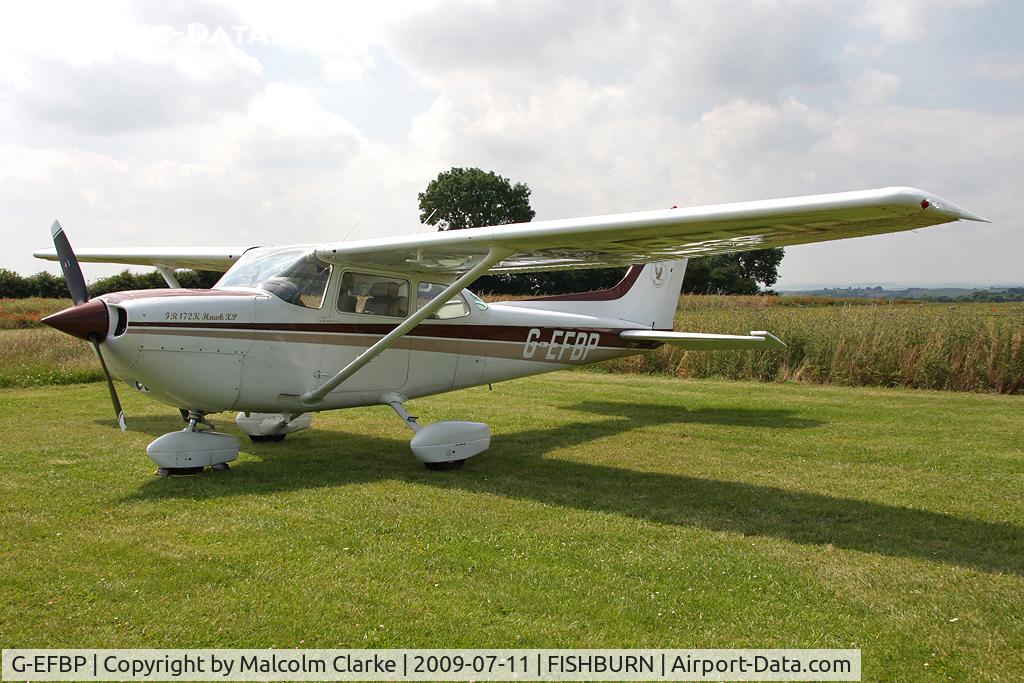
[363,308]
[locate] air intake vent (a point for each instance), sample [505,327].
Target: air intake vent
[121,324]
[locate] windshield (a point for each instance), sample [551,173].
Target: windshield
[296,276]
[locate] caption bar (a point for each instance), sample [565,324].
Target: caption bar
[431,665]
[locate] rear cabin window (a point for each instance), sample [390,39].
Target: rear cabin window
[456,307]
[373,295]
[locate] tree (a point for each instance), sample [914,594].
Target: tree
[198,279]
[738,273]
[127,280]
[50,286]
[12,285]
[47,285]
[471,198]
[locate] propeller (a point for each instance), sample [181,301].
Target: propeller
[80,295]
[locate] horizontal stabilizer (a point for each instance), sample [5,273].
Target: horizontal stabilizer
[698,341]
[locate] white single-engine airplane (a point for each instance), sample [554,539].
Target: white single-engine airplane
[292,330]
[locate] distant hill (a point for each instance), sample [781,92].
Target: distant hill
[995,294]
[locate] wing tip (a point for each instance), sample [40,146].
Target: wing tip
[769,339]
[929,201]
[956,212]
[971,216]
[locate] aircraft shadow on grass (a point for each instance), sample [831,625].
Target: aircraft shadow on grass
[515,468]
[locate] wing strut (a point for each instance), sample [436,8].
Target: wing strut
[168,274]
[313,397]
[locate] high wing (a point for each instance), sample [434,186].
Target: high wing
[200,258]
[651,236]
[601,241]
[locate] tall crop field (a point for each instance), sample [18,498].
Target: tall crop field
[38,357]
[958,347]
[18,314]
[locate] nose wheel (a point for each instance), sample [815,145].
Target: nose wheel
[193,449]
[444,466]
[178,471]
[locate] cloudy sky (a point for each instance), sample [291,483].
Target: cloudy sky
[193,122]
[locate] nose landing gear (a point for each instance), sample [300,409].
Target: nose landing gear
[192,449]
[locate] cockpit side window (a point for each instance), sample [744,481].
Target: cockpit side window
[296,276]
[370,294]
[456,307]
[477,301]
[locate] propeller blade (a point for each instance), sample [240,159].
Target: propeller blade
[80,294]
[69,265]
[110,387]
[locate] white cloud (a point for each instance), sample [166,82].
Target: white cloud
[123,94]
[873,88]
[902,21]
[1001,69]
[107,75]
[666,51]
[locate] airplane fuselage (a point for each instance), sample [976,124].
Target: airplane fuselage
[216,350]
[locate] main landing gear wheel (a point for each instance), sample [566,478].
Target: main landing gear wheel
[441,446]
[444,466]
[267,438]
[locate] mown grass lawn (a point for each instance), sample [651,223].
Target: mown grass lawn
[611,510]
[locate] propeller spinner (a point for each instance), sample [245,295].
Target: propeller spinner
[87,320]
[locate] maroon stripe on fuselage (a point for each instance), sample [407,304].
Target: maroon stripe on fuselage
[503,333]
[610,294]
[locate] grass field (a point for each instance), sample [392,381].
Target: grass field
[611,510]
